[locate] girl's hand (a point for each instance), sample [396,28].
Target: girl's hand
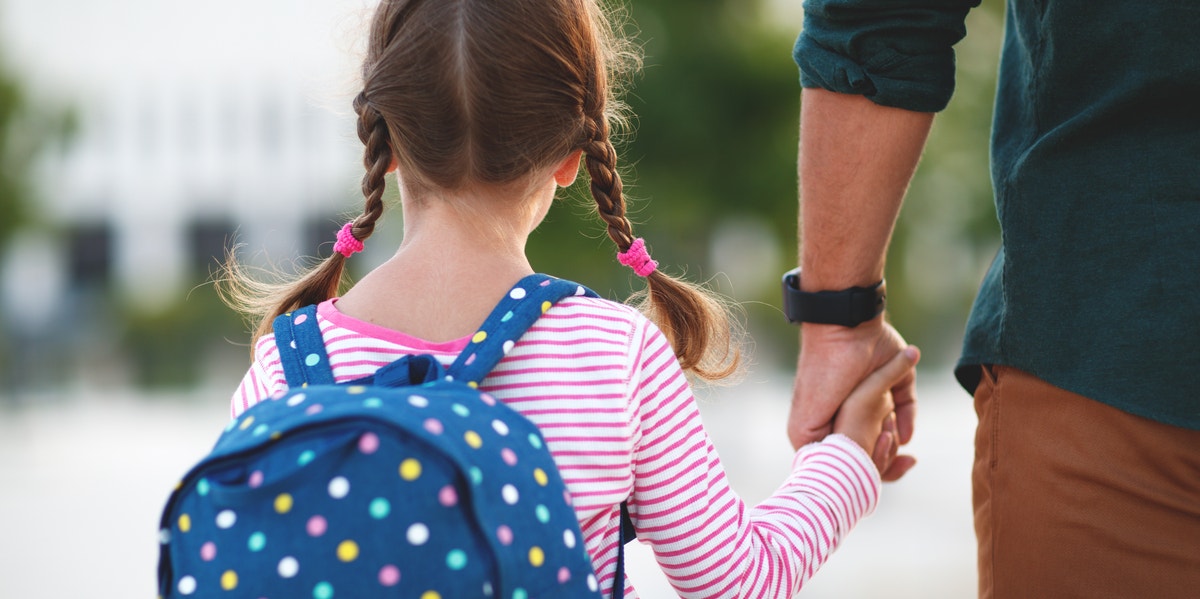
[868,415]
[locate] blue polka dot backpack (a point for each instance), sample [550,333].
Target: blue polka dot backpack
[410,483]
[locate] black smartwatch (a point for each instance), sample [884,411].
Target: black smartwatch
[848,307]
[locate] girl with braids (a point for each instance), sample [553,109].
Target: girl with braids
[479,110]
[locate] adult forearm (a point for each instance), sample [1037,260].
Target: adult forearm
[855,162]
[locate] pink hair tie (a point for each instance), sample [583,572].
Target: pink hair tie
[638,258]
[347,244]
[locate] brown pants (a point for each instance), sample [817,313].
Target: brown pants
[1074,498]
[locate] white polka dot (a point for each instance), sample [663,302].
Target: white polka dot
[580,290]
[508,345]
[339,487]
[517,293]
[510,494]
[187,585]
[418,534]
[500,427]
[569,539]
[296,399]
[592,583]
[288,567]
[293,344]
[487,589]
[226,519]
[164,536]
[418,401]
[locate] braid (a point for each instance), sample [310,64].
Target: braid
[696,323]
[267,300]
[377,158]
[601,160]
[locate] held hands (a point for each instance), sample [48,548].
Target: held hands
[837,363]
[868,415]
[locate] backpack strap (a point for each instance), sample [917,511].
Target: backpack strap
[301,349]
[519,309]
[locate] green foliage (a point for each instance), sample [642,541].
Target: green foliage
[25,129]
[171,347]
[714,136]
[715,139]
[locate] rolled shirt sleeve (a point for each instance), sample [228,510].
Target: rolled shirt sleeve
[897,53]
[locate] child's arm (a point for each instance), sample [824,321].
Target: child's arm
[868,415]
[710,543]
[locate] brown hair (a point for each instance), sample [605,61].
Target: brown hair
[460,92]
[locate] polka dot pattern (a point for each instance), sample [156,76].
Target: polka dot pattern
[299,508]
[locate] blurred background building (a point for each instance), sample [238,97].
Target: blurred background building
[141,139]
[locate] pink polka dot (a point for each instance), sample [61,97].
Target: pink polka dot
[389,575]
[544,283]
[368,443]
[256,479]
[208,551]
[567,497]
[487,399]
[279,394]
[301,319]
[505,535]
[448,496]
[470,359]
[313,409]
[316,526]
[509,456]
[563,575]
[434,426]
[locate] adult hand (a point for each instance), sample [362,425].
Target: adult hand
[833,361]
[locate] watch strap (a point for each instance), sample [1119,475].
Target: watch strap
[846,307]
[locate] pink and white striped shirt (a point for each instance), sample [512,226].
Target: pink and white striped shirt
[603,385]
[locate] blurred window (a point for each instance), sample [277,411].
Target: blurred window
[208,241]
[90,254]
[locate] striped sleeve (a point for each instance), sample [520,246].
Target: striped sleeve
[264,378]
[707,541]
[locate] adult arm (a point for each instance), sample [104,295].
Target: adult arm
[874,72]
[856,159]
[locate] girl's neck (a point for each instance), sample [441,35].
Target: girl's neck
[460,254]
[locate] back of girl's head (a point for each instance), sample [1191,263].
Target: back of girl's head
[467,92]
[482,91]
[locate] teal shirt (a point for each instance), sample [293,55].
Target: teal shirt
[1096,171]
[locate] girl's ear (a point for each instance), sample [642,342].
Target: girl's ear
[394,165]
[568,169]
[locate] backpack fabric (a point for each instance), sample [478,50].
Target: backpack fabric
[409,483]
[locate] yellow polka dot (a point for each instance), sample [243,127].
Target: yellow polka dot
[303,385]
[536,556]
[479,337]
[355,389]
[178,485]
[472,438]
[229,580]
[347,551]
[246,423]
[410,469]
[185,523]
[473,385]
[283,503]
[540,476]
[545,306]
[430,595]
[276,435]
